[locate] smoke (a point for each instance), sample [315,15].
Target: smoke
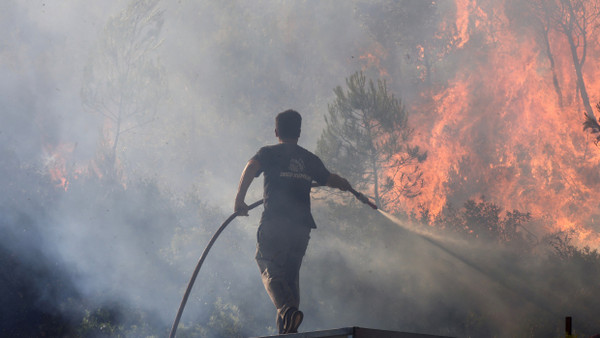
[396,275]
[229,69]
[77,240]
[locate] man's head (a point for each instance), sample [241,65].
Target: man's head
[287,124]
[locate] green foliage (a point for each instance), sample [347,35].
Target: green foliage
[117,321]
[483,221]
[225,320]
[366,140]
[563,248]
[195,223]
[102,322]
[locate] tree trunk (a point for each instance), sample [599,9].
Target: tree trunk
[375,180]
[553,68]
[578,62]
[113,155]
[580,81]
[373,159]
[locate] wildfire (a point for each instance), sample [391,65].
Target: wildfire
[56,164]
[497,128]
[373,59]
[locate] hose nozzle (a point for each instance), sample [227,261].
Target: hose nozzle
[363,198]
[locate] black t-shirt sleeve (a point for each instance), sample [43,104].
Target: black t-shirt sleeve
[263,157]
[320,174]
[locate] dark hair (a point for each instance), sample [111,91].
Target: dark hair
[288,124]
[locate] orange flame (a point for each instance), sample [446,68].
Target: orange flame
[373,60]
[497,130]
[56,163]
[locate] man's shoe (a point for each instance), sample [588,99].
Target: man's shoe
[280,324]
[292,320]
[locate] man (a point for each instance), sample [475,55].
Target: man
[286,221]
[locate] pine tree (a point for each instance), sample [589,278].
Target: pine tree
[366,140]
[124,80]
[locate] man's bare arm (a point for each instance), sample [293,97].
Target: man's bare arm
[337,181]
[252,167]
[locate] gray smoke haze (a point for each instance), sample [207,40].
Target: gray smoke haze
[230,66]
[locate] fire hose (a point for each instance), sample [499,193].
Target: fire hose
[212,241]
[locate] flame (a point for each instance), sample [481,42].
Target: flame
[55,161]
[373,60]
[496,129]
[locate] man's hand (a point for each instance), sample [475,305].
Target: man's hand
[344,184]
[240,207]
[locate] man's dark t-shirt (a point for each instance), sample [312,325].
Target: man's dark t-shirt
[289,171]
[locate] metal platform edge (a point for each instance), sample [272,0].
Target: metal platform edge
[354,332]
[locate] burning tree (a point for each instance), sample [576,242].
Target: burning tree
[366,140]
[592,124]
[578,22]
[124,81]
[537,17]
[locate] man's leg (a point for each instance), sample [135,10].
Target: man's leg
[293,265]
[271,252]
[276,285]
[279,256]
[292,317]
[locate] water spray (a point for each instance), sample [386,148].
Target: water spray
[519,288]
[212,241]
[362,198]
